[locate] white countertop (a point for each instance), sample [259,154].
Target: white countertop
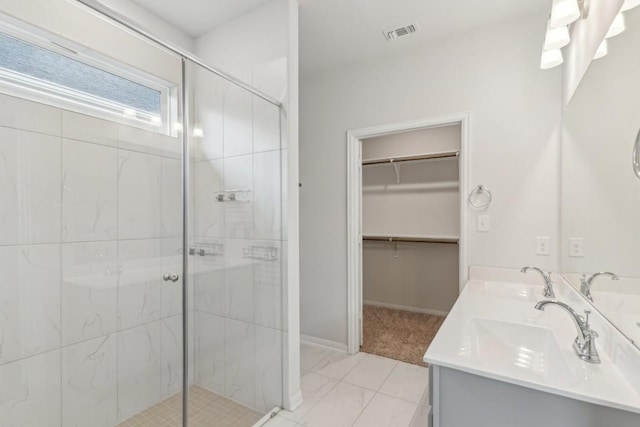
[494,331]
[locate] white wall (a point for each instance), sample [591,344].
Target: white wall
[152,23]
[515,110]
[253,47]
[423,277]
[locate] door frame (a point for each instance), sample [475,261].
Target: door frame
[354,209]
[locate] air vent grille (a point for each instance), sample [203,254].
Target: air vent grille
[400,32]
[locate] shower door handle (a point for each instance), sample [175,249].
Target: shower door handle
[170,277]
[636,156]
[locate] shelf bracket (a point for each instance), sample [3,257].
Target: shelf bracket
[396,168]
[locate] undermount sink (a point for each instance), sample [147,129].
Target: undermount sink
[515,349]
[527,293]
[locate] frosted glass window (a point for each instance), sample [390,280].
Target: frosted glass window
[26,59]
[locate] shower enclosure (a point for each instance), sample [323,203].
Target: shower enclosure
[140,231]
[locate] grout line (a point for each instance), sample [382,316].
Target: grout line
[388,375]
[215,159]
[78,242]
[115,333]
[364,409]
[60,284]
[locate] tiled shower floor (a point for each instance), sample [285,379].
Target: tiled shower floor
[206,409]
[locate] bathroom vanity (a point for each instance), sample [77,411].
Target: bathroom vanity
[499,362]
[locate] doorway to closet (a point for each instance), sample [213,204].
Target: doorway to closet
[407,234]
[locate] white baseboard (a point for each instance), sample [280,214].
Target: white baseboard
[407,308]
[307,339]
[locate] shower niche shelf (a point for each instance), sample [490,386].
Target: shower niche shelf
[263,253]
[234,196]
[207,249]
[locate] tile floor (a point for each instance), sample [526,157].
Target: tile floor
[360,391]
[206,409]
[339,390]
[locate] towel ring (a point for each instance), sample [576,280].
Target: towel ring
[480,189]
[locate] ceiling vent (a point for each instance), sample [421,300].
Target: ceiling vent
[400,32]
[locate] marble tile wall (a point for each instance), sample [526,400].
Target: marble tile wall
[90,219]
[238,298]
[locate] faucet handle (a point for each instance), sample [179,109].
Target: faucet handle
[593,333]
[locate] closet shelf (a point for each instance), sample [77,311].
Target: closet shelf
[426,156]
[411,238]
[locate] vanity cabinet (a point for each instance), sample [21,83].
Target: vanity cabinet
[461,399]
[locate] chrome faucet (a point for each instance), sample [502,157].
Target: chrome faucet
[585,284]
[548,284]
[584,344]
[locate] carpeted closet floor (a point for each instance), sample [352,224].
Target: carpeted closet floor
[397,334]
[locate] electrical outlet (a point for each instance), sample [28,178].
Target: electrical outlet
[484,223]
[576,247]
[542,245]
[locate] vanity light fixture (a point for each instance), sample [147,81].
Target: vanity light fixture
[617,26]
[564,12]
[630,4]
[556,37]
[603,49]
[551,58]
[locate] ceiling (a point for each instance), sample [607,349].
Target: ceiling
[334,32]
[196,17]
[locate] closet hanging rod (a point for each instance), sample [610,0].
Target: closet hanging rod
[408,239]
[428,156]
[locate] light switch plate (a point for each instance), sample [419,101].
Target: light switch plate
[542,246]
[576,247]
[484,223]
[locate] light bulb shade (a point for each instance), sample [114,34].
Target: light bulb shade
[550,58]
[564,12]
[603,49]
[617,26]
[630,4]
[556,37]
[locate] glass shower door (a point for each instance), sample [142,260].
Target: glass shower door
[236,247]
[92,242]
[90,221]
